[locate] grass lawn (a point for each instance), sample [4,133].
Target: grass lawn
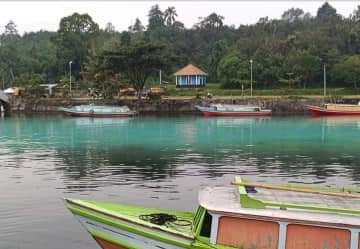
[216,90]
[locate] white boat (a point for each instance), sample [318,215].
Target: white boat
[99,111]
[233,110]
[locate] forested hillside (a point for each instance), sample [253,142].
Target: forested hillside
[286,52]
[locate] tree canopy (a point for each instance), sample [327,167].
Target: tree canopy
[137,61]
[291,49]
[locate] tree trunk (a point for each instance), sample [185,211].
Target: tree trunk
[12,75]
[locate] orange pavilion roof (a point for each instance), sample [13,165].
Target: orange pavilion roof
[190,70]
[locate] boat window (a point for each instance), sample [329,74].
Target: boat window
[206,225]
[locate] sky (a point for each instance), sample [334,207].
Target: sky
[45,15]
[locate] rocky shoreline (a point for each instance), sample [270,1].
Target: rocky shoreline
[292,105]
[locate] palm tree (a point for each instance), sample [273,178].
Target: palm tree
[169,15]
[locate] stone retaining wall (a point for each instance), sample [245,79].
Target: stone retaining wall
[279,105]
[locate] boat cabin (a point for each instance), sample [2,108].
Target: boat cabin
[252,217]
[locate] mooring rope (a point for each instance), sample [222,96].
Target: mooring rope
[164,219]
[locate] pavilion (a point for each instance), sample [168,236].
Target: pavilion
[190,76]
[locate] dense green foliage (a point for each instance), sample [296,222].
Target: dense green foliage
[137,62]
[287,53]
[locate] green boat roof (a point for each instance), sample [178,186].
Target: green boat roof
[298,197]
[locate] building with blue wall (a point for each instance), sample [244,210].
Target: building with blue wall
[190,76]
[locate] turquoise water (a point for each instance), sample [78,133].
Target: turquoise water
[153,161]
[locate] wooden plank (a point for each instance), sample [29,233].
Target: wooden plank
[302,190]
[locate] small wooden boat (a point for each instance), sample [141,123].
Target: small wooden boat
[232,110]
[245,215]
[334,109]
[99,111]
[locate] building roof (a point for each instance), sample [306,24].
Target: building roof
[190,70]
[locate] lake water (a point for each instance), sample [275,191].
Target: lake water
[153,161]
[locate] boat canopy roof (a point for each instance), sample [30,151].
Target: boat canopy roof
[285,204]
[100,108]
[234,106]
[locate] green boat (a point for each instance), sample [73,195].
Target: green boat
[244,215]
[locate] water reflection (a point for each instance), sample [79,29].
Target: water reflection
[104,150]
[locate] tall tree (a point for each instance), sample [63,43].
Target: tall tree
[110,28]
[348,70]
[137,27]
[217,52]
[212,21]
[137,61]
[9,52]
[156,18]
[11,29]
[170,16]
[74,39]
[326,12]
[233,71]
[304,65]
[356,14]
[292,15]
[78,23]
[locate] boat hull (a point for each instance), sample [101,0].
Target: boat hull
[111,237]
[319,111]
[99,115]
[211,112]
[116,226]
[104,244]
[234,114]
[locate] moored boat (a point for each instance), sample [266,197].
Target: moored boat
[245,215]
[99,111]
[334,109]
[232,110]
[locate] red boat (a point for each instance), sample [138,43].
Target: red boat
[334,110]
[232,110]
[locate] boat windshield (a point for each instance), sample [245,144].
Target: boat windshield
[197,218]
[202,222]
